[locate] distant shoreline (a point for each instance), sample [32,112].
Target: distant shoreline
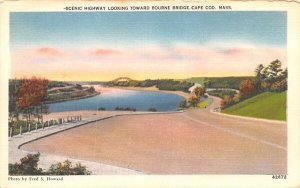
[181,93]
[103,89]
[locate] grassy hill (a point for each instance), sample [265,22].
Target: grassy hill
[266,105]
[199,80]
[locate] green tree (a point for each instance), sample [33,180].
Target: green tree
[270,78]
[284,74]
[199,91]
[259,74]
[274,70]
[259,77]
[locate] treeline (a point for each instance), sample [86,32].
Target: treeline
[232,82]
[29,166]
[225,82]
[52,84]
[221,92]
[69,93]
[161,84]
[271,78]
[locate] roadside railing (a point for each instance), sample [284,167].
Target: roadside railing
[34,127]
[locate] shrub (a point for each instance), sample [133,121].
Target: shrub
[78,86]
[182,104]
[265,85]
[236,98]
[193,101]
[101,109]
[279,86]
[29,166]
[125,109]
[66,168]
[91,89]
[226,101]
[152,110]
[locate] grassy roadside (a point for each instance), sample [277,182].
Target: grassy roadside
[205,103]
[266,105]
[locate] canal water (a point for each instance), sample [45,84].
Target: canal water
[140,100]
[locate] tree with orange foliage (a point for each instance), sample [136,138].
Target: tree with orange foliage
[31,95]
[226,101]
[247,88]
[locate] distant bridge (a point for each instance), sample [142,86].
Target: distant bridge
[122,79]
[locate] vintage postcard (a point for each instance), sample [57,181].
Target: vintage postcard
[150,94]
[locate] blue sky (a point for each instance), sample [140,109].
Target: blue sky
[142,45]
[164,28]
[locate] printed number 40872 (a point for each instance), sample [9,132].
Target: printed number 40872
[279,176]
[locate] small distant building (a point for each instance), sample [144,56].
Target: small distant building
[191,89]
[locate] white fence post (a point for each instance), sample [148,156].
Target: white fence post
[20,129]
[29,127]
[10,133]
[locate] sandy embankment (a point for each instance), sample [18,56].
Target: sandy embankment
[84,114]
